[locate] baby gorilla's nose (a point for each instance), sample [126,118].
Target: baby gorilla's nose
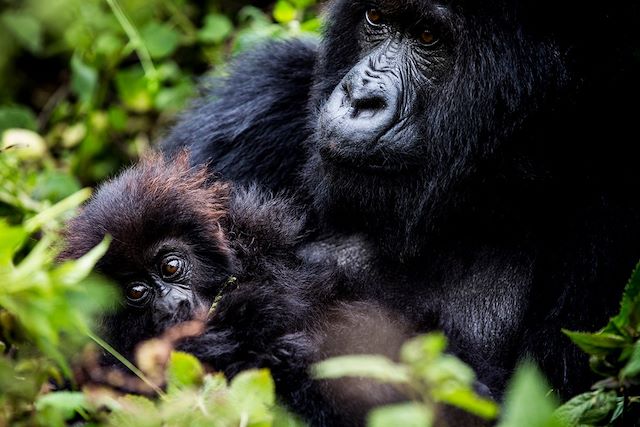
[173,307]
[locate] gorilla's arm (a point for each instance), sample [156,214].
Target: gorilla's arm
[252,125]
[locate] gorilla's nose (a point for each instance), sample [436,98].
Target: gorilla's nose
[362,107]
[366,103]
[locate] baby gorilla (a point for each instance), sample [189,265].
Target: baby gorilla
[168,252]
[180,240]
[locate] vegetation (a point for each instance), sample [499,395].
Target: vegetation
[85,85]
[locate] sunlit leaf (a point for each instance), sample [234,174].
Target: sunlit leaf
[528,401]
[63,405]
[253,393]
[184,371]
[24,144]
[403,414]
[134,90]
[368,366]
[284,12]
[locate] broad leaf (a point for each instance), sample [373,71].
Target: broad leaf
[588,408]
[375,367]
[404,414]
[184,371]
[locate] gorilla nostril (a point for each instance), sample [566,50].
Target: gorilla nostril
[370,105]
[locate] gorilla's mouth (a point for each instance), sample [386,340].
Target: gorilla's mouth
[375,164]
[380,156]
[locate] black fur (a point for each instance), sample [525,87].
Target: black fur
[275,311]
[253,124]
[518,216]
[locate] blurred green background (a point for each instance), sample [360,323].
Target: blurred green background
[98,81]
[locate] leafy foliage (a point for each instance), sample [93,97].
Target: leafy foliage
[106,76]
[615,355]
[425,372]
[85,85]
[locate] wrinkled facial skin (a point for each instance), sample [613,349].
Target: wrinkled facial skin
[425,96]
[366,124]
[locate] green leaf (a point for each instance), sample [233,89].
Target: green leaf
[253,394]
[527,401]
[72,272]
[134,90]
[444,370]
[216,29]
[84,80]
[423,349]
[467,400]
[12,239]
[49,215]
[629,316]
[161,40]
[109,45]
[184,371]
[25,28]
[313,25]
[117,118]
[54,186]
[369,366]
[588,408]
[174,98]
[598,344]
[24,144]
[284,12]
[63,404]
[284,418]
[303,4]
[403,414]
[18,117]
[632,368]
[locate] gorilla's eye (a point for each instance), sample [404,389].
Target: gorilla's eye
[137,293]
[374,17]
[171,267]
[427,38]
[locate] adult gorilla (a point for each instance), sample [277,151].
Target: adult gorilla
[482,147]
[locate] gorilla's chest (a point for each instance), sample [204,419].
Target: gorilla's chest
[477,297]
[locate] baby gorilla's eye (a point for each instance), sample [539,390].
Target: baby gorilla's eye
[171,267]
[137,293]
[374,17]
[427,38]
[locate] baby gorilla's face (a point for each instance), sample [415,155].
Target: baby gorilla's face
[169,255]
[162,284]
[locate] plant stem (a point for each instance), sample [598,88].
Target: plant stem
[135,39]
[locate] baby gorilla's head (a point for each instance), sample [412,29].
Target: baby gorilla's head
[168,255]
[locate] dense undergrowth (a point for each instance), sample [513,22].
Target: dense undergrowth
[85,85]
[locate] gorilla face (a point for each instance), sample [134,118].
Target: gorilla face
[169,256]
[367,124]
[422,97]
